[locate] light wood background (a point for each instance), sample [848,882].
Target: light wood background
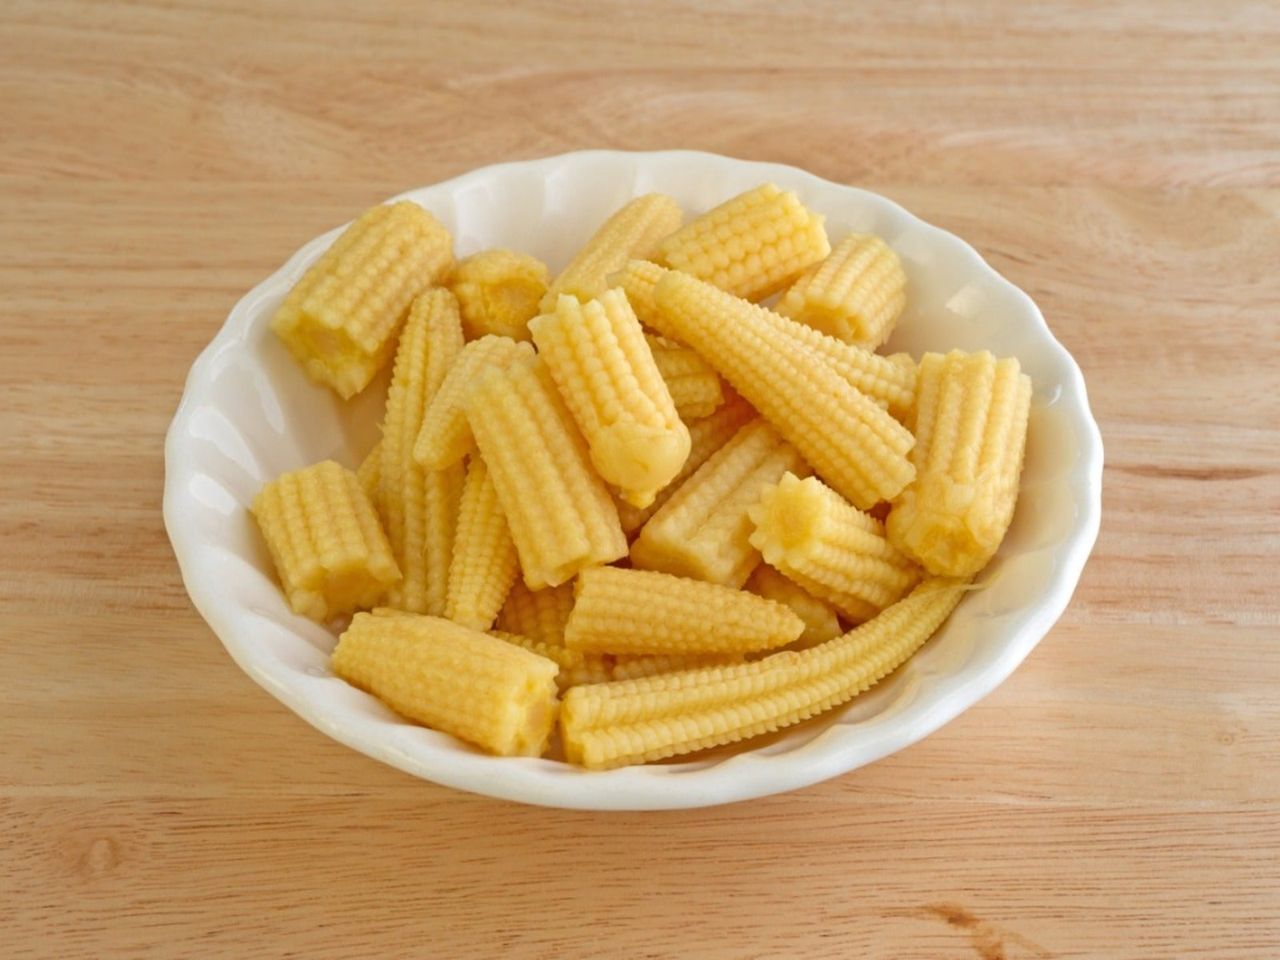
[1119,797]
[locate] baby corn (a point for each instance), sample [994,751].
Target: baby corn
[498,291]
[484,558]
[599,359]
[752,245]
[850,441]
[323,535]
[341,319]
[637,721]
[420,506]
[971,428]
[638,611]
[696,389]
[703,530]
[457,680]
[445,437]
[890,381]
[807,531]
[561,516]
[855,294]
[633,231]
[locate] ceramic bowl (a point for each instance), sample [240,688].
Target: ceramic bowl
[248,413]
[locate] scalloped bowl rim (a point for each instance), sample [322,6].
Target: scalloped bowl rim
[746,775]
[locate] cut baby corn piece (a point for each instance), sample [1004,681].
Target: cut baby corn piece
[420,506]
[808,532]
[575,666]
[369,473]
[752,245]
[561,516]
[633,231]
[703,531]
[854,444]
[537,614]
[706,436]
[600,361]
[695,387]
[445,437]
[855,294]
[499,291]
[484,559]
[638,721]
[971,428]
[324,537]
[457,680]
[821,622]
[640,611]
[341,319]
[633,667]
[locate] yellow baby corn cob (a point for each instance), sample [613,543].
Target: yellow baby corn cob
[601,363]
[537,614]
[694,385]
[809,532]
[637,721]
[419,506]
[703,531]
[820,620]
[633,231]
[561,516]
[850,441]
[971,428]
[484,558]
[499,291]
[637,279]
[369,473]
[457,680]
[443,488]
[856,294]
[340,320]
[890,381]
[639,611]
[752,245]
[324,537]
[706,435]
[445,437]
[576,667]
[633,667]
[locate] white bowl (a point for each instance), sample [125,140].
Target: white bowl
[248,414]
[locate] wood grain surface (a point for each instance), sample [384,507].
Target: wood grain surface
[1119,797]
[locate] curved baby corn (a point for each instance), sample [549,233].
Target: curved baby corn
[639,721]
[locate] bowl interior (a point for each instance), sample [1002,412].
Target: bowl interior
[249,414]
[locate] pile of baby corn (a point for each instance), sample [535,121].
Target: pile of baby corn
[631,503]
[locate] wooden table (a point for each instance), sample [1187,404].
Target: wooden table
[1119,797]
